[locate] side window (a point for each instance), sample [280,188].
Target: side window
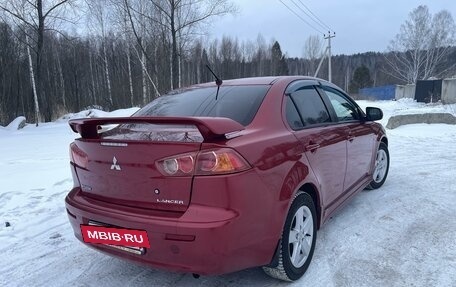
[344,109]
[310,106]
[292,115]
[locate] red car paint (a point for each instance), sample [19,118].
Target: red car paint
[215,224]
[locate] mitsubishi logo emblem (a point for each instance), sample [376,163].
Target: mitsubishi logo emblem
[114,165]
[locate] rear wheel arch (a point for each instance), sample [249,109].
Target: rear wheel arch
[301,181]
[384,140]
[296,246]
[313,192]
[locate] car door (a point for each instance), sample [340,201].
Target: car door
[360,137]
[323,143]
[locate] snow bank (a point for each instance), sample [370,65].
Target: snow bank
[94,113]
[428,118]
[17,124]
[406,106]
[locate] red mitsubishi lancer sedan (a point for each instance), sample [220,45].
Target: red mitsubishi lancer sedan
[216,178]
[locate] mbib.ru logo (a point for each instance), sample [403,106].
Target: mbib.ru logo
[114,236]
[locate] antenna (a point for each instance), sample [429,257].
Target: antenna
[218,81]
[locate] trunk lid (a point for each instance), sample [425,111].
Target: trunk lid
[120,164]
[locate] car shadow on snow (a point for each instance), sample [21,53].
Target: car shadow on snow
[121,273]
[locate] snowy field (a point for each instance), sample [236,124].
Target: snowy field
[403,234]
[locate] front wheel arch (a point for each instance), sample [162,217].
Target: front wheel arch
[381,167]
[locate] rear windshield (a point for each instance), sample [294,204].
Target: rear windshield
[239,103]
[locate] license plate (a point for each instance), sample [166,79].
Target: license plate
[129,240]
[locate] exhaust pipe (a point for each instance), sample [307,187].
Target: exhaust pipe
[196,276]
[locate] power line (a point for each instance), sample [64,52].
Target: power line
[302,19]
[316,17]
[308,15]
[320,23]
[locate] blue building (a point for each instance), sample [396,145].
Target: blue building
[379,93]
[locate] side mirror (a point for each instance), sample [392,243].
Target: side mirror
[373,114]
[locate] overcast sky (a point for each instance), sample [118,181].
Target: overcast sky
[360,25]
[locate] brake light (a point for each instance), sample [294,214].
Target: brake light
[78,157]
[220,161]
[209,162]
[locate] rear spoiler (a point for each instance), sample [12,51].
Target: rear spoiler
[209,127]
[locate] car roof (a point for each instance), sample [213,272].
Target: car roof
[258,81]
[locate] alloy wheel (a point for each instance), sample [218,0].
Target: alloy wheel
[301,236]
[381,164]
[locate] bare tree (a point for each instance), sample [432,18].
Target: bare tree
[138,14]
[182,18]
[36,16]
[32,79]
[312,51]
[261,56]
[100,13]
[123,25]
[61,79]
[421,45]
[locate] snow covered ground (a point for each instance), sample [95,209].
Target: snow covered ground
[403,234]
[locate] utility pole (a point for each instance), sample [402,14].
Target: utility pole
[321,62]
[329,54]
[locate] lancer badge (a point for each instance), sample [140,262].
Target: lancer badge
[114,165]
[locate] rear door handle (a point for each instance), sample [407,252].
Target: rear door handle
[350,138]
[312,147]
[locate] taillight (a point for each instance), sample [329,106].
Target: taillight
[180,165]
[209,162]
[78,157]
[221,161]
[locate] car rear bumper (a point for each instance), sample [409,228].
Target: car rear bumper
[203,240]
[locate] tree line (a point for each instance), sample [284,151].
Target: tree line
[74,71]
[133,51]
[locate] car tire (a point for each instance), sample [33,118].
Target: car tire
[382,162]
[297,244]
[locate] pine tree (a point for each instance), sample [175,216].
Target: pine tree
[279,65]
[361,79]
